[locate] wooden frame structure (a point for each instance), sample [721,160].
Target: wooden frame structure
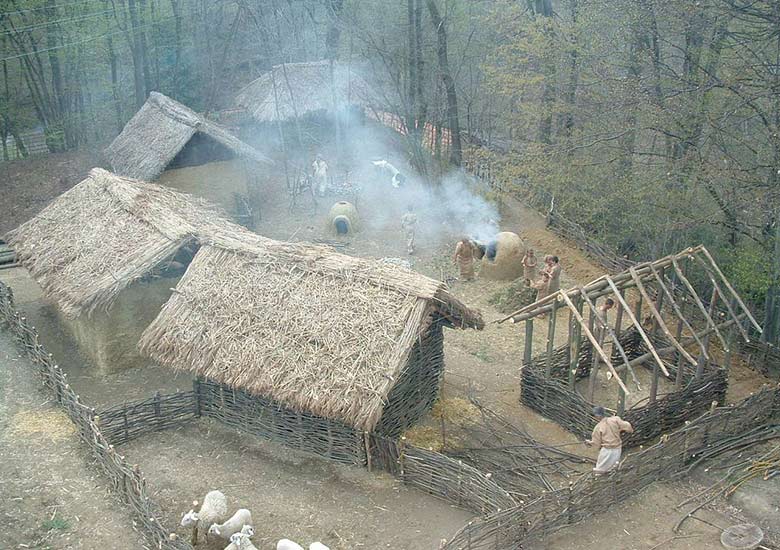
[683,329]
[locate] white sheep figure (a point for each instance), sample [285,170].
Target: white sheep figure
[318,546]
[286,544]
[240,541]
[213,510]
[233,525]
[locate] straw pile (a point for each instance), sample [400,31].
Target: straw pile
[103,234]
[159,131]
[292,90]
[307,327]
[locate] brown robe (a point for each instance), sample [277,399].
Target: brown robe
[529,268]
[555,278]
[464,257]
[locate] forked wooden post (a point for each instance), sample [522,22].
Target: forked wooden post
[576,343]
[702,360]
[551,338]
[529,342]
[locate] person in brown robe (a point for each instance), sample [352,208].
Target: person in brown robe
[464,259]
[542,286]
[553,269]
[529,262]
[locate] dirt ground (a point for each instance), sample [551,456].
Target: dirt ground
[305,497]
[51,497]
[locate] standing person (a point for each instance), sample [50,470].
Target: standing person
[553,268]
[542,287]
[320,173]
[464,258]
[529,266]
[603,309]
[409,225]
[606,436]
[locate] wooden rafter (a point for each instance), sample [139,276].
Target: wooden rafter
[658,317]
[698,302]
[715,284]
[734,294]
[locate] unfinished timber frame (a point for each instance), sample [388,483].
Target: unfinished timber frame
[679,303]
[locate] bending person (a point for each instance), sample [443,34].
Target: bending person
[606,436]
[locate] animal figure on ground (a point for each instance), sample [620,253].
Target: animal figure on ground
[397,178]
[213,510]
[240,541]
[286,544]
[237,521]
[318,546]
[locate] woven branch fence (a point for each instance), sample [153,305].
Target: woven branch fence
[762,357]
[126,480]
[553,398]
[669,459]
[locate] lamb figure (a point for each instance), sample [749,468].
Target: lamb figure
[213,510]
[318,546]
[240,541]
[236,523]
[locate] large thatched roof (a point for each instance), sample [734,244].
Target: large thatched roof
[156,134]
[292,90]
[104,233]
[313,329]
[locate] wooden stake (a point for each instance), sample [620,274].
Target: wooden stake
[702,361]
[551,338]
[621,405]
[576,344]
[730,309]
[529,341]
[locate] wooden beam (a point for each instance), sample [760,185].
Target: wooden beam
[606,328]
[698,302]
[730,309]
[593,341]
[678,311]
[639,328]
[702,361]
[734,294]
[529,342]
[660,301]
[621,405]
[551,338]
[659,318]
[576,344]
[598,287]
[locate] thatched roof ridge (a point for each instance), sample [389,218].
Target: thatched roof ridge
[292,90]
[106,232]
[156,134]
[313,329]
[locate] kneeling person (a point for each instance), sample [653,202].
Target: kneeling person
[606,436]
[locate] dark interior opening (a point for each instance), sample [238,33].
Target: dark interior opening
[200,150]
[342,227]
[490,250]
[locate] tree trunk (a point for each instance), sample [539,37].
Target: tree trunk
[135,47]
[570,96]
[453,120]
[334,30]
[176,47]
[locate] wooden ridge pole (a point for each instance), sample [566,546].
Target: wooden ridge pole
[593,341]
[659,318]
[638,326]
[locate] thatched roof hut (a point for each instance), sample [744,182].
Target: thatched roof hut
[159,131]
[106,232]
[292,90]
[339,337]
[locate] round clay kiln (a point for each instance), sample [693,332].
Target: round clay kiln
[343,218]
[503,257]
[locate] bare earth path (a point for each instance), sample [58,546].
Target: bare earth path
[51,498]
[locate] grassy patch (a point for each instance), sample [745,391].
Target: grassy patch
[56,524]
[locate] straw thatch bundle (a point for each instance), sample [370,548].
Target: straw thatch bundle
[159,131]
[307,327]
[292,90]
[104,233]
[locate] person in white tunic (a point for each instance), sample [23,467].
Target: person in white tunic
[606,436]
[320,173]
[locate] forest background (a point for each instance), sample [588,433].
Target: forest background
[655,124]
